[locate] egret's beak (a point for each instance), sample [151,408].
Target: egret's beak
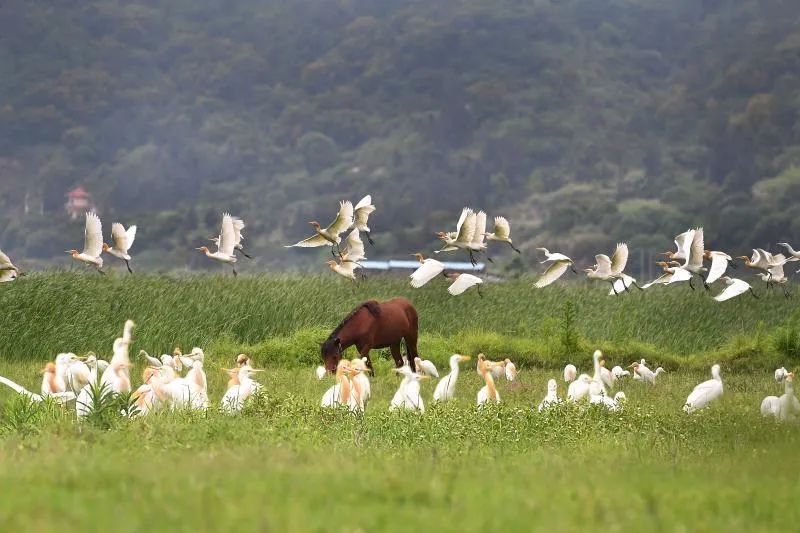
[256,370]
[464,358]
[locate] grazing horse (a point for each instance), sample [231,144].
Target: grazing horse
[374,325]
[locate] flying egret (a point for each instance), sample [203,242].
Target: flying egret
[349,259]
[501,233]
[623,284]
[488,393]
[794,255]
[683,243]
[511,370]
[227,241]
[645,373]
[8,272]
[408,395]
[673,273]
[122,240]
[329,236]
[705,393]
[478,244]
[240,389]
[560,264]
[429,269]
[570,373]
[447,385]
[761,260]
[92,243]
[238,226]
[719,264]
[776,275]
[462,238]
[462,282]
[426,367]
[693,262]
[734,287]
[610,269]
[361,213]
[552,396]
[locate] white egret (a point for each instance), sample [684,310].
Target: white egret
[488,393]
[50,387]
[579,388]
[426,367]
[241,388]
[429,269]
[225,248]
[147,398]
[122,241]
[462,282]
[477,244]
[776,275]
[673,273]
[408,394]
[361,213]
[761,260]
[560,264]
[719,264]
[462,238]
[570,373]
[510,369]
[623,284]
[361,381]
[495,367]
[645,373]
[501,233]
[597,378]
[551,398]
[92,243]
[612,404]
[734,287]
[349,259]
[8,272]
[329,236]
[610,269]
[619,372]
[780,374]
[446,387]
[705,393]
[794,255]
[683,243]
[238,226]
[696,253]
[339,393]
[608,377]
[320,372]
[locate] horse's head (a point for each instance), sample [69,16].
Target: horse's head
[331,353]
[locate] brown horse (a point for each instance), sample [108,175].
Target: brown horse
[374,325]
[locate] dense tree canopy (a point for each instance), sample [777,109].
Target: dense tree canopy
[585,122]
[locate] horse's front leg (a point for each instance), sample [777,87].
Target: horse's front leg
[363,351]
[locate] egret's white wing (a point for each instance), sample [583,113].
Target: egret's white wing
[502,229]
[93,236]
[5,262]
[9,274]
[719,264]
[227,236]
[683,243]
[777,270]
[619,259]
[462,218]
[735,288]
[603,264]
[311,242]
[663,279]
[362,211]
[462,283]
[344,219]
[119,237]
[480,228]
[622,284]
[466,229]
[238,226]
[355,247]
[553,272]
[678,275]
[429,269]
[696,250]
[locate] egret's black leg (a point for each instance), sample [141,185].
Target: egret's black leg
[753,293]
[128,264]
[369,238]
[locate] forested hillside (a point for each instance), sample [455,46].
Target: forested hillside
[585,122]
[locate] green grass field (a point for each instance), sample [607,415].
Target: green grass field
[285,464]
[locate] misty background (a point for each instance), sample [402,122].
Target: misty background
[583,122]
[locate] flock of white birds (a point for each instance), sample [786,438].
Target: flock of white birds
[471,237]
[165,386]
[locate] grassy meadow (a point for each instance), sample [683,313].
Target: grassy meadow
[286,465]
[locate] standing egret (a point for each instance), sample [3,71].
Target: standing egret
[785,407]
[610,269]
[227,241]
[780,374]
[426,367]
[488,392]
[645,374]
[597,378]
[339,393]
[8,272]
[329,236]
[361,381]
[734,287]
[705,393]
[50,387]
[511,370]
[495,367]
[408,394]
[240,389]
[122,240]
[148,398]
[361,213]
[447,385]
[462,282]
[579,388]
[552,396]
[619,372]
[320,372]
[429,269]
[570,373]
[612,404]
[501,233]
[92,243]
[719,264]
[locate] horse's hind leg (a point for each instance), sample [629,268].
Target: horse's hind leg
[398,356]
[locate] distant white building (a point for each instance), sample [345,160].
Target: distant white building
[79,201]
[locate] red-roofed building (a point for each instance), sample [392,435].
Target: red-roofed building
[79,201]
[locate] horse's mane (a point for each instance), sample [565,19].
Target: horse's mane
[372,306]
